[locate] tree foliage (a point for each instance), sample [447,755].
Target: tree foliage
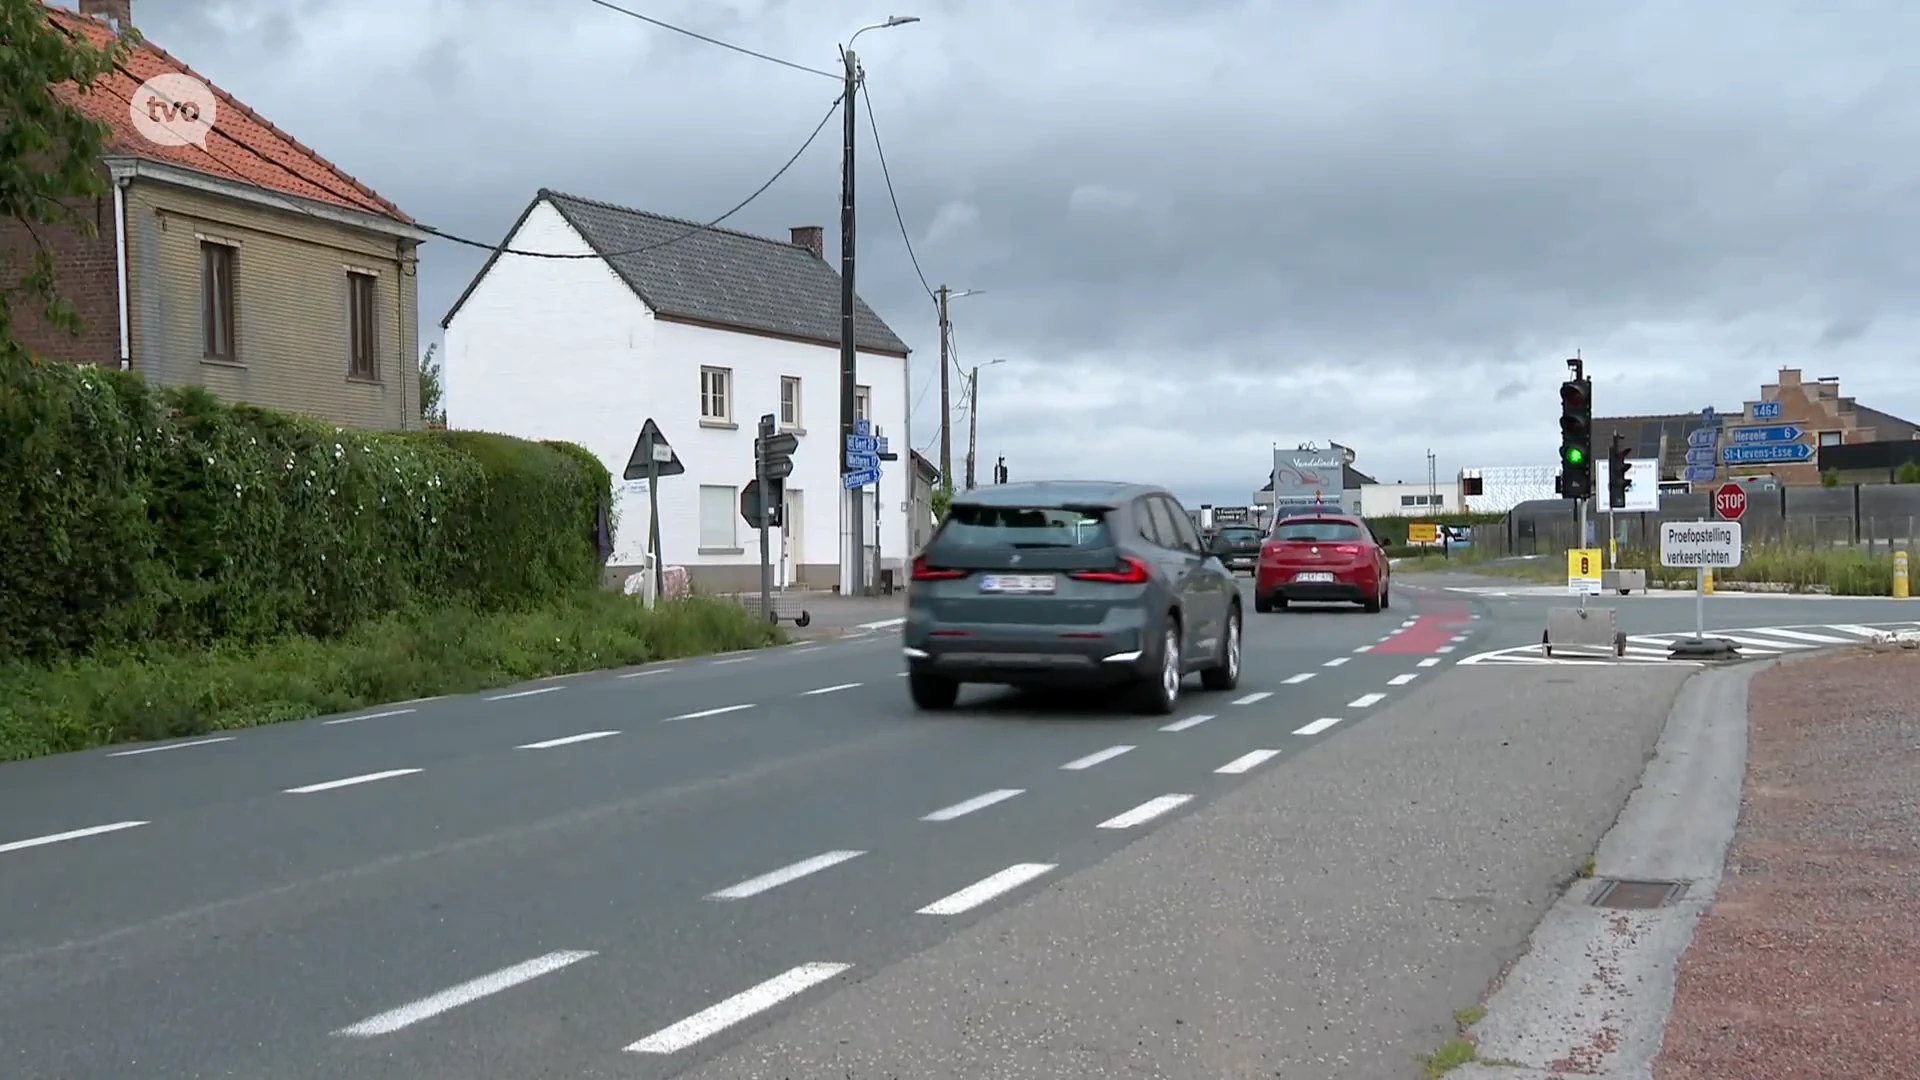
[49,148]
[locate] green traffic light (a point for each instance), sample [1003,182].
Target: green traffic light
[1575,456]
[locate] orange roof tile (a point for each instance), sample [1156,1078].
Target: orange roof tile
[246,147]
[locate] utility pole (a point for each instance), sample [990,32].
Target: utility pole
[855,584]
[946,408]
[973,420]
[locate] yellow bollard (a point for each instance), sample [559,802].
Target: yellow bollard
[1900,587]
[1707,586]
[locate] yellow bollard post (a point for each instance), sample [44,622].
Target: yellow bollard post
[1901,590]
[1707,583]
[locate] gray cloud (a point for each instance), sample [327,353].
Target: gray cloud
[1204,227]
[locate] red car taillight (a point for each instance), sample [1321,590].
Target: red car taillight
[1348,549]
[1132,572]
[923,572]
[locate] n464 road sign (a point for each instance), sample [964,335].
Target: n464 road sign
[1729,502]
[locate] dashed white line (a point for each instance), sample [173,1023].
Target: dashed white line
[1408,623]
[882,624]
[1253,698]
[1458,638]
[808,649]
[830,689]
[1403,679]
[776,878]
[567,740]
[732,660]
[367,716]
[170,746]
[709,712]
[986,889]
[1445,648]
[526,693]
[77,834]
[1366,701]
[364,778]
[978,802]
[1093,759]
[1430,661]
[1296,680]
[1248,762]
[1191,721]
[466,993]
[644,674]
[1146,811]
[1337,661]
[714,1019]
[1363,648]
[1319,725]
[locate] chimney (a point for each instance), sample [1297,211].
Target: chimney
[115,13]
[811,237]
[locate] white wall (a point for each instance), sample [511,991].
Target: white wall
[562,349]
[1389,500]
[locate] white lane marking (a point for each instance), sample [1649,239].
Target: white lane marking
[904,674]
[1296,680]
[1363,648]
[1430,661]
[1403,679]
[1754,644]
[1337,661]
[1458,638]
[1093,759]
[1857,631]
[1191,721]
[1248,762]
[77,834]
[830,689]
[171,746]
[526,693]
[567,740]
[1445,649]
[1408,623]
[775,878]
[1253,698]
[986,889]
[1366,701]
[733,660]
[708,712]
[1800,635]
[882,624]
[464,994]
[364,778]
[1146,811]
[978,802]
[717,1018]
[1319,725]
[644,674]
[367,716]
[808,649]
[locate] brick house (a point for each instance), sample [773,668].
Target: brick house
[250,265]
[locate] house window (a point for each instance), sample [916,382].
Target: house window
[719,510]
[863,402]
[1830,438]
[216,301]
[716,394]
[362,330]
[789,401]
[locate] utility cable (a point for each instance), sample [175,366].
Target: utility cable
[891,197]
[713,40]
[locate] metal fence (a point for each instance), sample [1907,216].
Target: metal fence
[1871,517]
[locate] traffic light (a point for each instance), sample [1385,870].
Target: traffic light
[1617,479]
[1576,438]
[1000,471]
[772,463]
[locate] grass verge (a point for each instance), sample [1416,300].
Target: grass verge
[161,694]
[1837,571]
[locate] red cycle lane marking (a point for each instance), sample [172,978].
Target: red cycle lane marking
[1428,632]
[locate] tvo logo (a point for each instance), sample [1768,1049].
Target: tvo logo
[174,110]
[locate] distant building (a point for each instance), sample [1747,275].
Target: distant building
[1500,488]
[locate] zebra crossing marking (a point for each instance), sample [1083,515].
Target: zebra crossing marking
[1754,642]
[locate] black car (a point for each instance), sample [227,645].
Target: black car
[1239,546]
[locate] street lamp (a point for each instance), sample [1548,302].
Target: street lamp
[855,581]
[973,414]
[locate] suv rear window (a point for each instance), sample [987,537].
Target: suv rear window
[1326,532]
[1239,533]
[1027,526]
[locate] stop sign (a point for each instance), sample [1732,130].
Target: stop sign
[1730,501]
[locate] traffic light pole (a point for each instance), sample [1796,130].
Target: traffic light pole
[768,425]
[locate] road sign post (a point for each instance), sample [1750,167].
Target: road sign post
[1583,571]
[653,458]
[1730,502]
[1704,545]
[762,502]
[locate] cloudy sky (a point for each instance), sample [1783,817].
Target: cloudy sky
[1202,226]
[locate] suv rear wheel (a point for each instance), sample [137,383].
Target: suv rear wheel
[1225,675]
[931,692]
[1159,694]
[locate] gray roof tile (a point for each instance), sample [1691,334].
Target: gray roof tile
[688,270]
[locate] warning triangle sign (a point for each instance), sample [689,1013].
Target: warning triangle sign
[652,448]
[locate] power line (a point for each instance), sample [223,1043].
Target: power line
[712,40]
[891,197]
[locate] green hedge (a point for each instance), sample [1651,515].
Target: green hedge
[133,519]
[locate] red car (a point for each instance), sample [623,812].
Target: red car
[1322,557]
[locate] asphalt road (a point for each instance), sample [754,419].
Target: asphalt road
[610,875]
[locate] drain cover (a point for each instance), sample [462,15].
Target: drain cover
[1636,895]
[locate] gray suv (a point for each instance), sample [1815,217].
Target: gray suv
[1070,583]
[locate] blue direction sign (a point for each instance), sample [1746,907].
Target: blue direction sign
[1698,474]
[863,429]
[1766,410]
[862,444]
[1700,455]
[1702,437]
[1777,433]
[1765,453]
[862,478]
[863,462]
[1709,418]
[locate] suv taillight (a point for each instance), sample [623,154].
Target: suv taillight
[1132,571]
[923,572]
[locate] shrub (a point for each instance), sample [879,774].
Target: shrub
[130,518]
[93,701]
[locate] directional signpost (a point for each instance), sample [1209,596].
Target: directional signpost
[1766,410]
[1705,545]
[862,465]
[1765,453]
[1701,444]
[653,458]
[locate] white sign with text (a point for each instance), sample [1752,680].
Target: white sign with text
[1713,545]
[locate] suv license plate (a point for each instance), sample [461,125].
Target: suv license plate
[1017,583]
[1313,577]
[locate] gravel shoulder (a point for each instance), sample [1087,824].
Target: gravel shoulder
[1324,920]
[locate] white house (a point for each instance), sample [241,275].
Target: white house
[703,330]
[1410,500]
